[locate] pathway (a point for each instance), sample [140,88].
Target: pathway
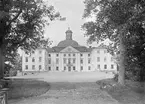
[70,92]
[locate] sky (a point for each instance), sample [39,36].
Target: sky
[73,11]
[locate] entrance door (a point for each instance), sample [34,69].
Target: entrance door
[69,68]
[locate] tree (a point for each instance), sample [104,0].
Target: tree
[22,25]
[136,51]
[114,20]
[16,65]
[13,62]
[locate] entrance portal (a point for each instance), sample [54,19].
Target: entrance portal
[69,68]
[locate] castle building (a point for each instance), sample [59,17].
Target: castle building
[68,56]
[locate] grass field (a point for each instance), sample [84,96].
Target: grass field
[131,93]
[23,88]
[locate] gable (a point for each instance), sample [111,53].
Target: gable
[69,49]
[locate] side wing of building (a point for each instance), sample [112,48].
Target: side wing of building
[35,61]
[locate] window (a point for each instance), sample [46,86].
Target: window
[57,61]
[89,68]
[105,59]
[26,59]
[40,52]
[69,68]
[64,55]
[81,67]
[64,60]
[112,66]
[64,68]
[98,59]
[57,55]
[74,60]
[98,51]
[74,68]
[57,68]
[69,54]
[49,68]
[81,61]
[69,61]
[98,66]
[49,61]
[33,59]
[105,66]
[73,54]
[33,52]
[40,59]
[49,55]
[89,61]
[81,55]
[88,55]
[39,67]
[33,67]
[26,67]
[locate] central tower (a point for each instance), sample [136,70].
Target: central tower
[68,34]
[68,41]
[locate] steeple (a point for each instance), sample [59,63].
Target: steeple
[68,34]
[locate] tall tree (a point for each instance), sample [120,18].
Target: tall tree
[22,25]
[113,20]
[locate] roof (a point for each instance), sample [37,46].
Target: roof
[101,46]
[69,42]
[58,49]
[68,31]
[50,49]
[83,49]
[66,43]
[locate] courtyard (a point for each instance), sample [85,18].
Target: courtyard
[67,76]
[69,88]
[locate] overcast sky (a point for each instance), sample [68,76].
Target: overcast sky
[73,11]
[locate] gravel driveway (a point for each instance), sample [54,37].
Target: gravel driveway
[70,93]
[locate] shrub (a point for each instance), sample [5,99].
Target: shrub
[116,77]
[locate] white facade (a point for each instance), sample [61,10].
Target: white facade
[69,59]
[102,60]
[68,56]
[34,62]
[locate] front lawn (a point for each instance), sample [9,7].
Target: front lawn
[131,93]
[22,88]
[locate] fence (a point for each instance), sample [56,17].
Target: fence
[4,96]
